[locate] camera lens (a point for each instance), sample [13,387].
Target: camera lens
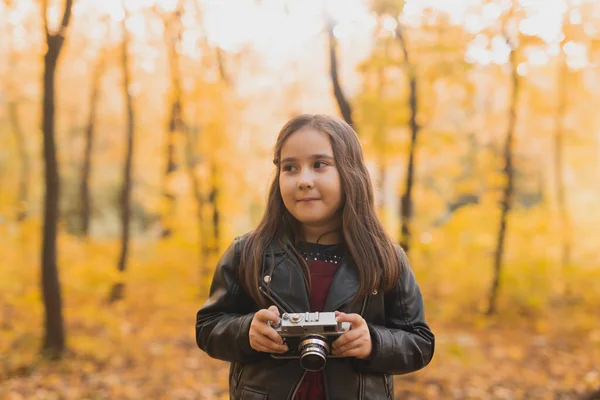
[313,352]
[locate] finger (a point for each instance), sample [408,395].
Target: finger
[266,315]
[274,310]
[346,338]
[263,329]
[358,352]
[361,341]
[269,332]
[265,344]
[361,333]
[354,319]
[257,339]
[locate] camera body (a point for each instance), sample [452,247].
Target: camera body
[309,337]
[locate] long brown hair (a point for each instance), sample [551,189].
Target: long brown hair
[368,245]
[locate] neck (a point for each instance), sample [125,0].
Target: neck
[327,235]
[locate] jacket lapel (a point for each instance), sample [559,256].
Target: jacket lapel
[286,283]
[343,287]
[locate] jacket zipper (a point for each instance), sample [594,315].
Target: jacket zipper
[361,385]
[298,385]
[238,374]
[387,388]
[278,304]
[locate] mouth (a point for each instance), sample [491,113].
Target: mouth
[307,199]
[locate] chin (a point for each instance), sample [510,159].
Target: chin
[307,221]
[305,218]
[312,219]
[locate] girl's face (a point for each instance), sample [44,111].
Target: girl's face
[309,181]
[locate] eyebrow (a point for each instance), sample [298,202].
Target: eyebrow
[314,156]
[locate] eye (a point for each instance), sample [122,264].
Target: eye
[288,168]
[320,164]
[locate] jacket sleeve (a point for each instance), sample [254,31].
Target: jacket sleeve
[405,344]
[223,322]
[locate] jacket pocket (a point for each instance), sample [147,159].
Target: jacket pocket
[252,394]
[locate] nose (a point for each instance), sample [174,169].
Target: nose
[306,180]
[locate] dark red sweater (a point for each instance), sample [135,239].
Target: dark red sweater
[321,275]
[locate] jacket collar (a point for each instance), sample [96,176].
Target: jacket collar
[343,286]
[287,286]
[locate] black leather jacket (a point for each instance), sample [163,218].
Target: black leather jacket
[401,339]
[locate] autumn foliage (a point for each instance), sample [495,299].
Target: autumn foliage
[480,128]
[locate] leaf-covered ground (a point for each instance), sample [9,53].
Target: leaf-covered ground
[139,350]
[138,362]
[144,347]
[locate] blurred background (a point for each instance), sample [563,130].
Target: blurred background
[136,142]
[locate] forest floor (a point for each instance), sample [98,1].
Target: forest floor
[124,352]
[143,347]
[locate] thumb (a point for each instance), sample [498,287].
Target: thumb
[274,310]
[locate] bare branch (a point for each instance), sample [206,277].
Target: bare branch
[66,18]
[403,44]
[221,65]
[45,16]
[343,104]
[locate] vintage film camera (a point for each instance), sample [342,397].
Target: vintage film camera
[309,337]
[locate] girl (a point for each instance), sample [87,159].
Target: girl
[319,247]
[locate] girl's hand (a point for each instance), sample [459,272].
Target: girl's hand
[262,336]
[357,341]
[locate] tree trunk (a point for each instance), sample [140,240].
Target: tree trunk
[54,334]
[213,198]
[508,190]
[174,126]
[24,175]
[168,195]
[118,291]
[191,161]
[406,204]
[197,192]
[221,65]
[344,106]
[84,186]
[565,223]
[15,122]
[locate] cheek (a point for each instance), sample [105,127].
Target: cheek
[285,188]
[334,187]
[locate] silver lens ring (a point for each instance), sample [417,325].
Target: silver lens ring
[313,353]
[314,341]
[313,360]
